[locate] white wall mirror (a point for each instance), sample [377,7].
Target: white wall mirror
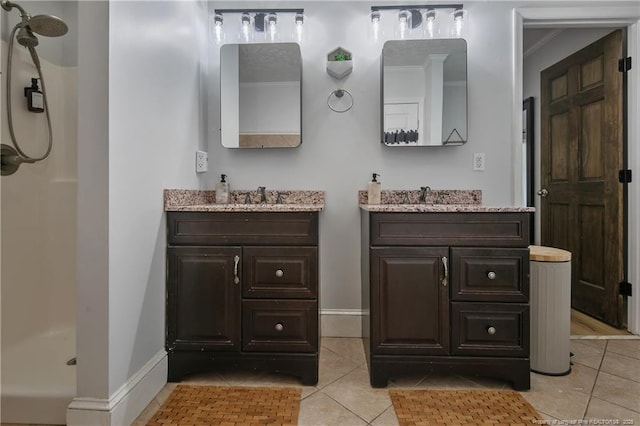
[260,95]
[424,92]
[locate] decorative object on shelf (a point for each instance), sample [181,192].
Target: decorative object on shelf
[336,99]
[419,21]
[260,25]
[339,63]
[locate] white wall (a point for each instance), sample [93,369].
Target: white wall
[141,119]
[340,151]
[156,123]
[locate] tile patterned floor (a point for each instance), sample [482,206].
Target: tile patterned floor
[604,384]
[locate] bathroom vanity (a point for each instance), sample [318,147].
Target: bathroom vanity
[445,288]
[242,287]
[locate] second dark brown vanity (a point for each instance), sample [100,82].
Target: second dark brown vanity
[446,291]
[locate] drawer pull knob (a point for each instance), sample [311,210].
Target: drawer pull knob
[491,330]
[279,273]
[279,327]
[491,275]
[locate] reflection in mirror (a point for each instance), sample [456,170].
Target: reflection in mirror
[424,92]
[260,95]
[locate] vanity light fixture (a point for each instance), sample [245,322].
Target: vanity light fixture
[259,21]
[411,17]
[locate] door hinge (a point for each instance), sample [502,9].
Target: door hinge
[624,64]
[625,288]
[624,176]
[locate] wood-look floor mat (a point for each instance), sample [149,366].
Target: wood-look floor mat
[439,407]
[223,405]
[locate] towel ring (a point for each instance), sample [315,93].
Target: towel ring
[339,93]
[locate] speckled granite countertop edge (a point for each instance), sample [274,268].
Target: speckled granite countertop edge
[444,208]
[204,201]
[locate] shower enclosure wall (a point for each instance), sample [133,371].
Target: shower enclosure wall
[38,230]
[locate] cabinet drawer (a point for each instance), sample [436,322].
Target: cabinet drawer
[490,275]
[197,228]
[280,325]
[280,272]
[490,329]
[461,229]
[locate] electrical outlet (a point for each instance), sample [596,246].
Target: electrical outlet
[202,162]
[478,161]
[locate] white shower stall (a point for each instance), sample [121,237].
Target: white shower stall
[38,231]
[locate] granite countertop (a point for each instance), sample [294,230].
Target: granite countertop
[438,201]
[185,200]
[443,208]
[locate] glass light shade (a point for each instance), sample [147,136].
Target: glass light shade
[217,32]
[246,29]
[403,28]
[430,27]
[458,30]
[375,29]
[271,27]
[298,32]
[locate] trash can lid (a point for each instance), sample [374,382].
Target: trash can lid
[548,254]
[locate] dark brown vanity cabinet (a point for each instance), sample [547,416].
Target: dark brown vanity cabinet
[242,291]
[446,292]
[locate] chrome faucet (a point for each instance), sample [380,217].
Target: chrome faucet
[424,191]
[262,194]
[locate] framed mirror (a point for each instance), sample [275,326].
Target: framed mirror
[261,95]
[424,92]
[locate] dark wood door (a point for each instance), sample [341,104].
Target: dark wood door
[203,300]
[409,301]
[581,154]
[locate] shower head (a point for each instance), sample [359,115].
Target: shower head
[26,38]
[48,25]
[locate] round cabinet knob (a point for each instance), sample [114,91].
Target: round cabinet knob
[491,330]
[279,273]
[491,275]
[279,327]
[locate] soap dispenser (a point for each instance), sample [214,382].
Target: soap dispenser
[373,195]
[35,98]
[222,190]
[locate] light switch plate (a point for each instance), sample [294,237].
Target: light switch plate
[478,161]
[202,161]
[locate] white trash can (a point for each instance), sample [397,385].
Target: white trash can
[550,290]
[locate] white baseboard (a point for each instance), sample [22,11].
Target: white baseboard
[124,406]
[341,322]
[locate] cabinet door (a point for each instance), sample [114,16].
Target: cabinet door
[203,298]
[409,301]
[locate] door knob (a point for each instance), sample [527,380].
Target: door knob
[543,192]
